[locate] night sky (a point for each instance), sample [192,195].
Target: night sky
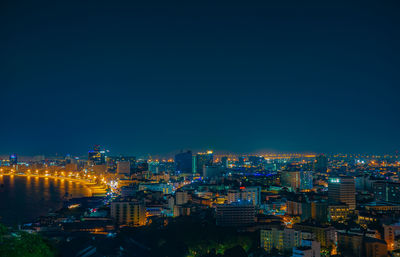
[154,79]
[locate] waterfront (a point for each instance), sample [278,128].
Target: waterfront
[23,198]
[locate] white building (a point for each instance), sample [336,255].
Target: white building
[245,194]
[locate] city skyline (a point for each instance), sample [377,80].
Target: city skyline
[200,128]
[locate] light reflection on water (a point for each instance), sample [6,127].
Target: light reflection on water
[22,199]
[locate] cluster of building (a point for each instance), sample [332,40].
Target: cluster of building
[299,205]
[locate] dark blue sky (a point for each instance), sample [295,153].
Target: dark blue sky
[317,76]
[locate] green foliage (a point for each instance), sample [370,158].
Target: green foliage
[3,232]
[192,237]
[24,245]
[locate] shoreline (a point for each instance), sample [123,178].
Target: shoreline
[95,189]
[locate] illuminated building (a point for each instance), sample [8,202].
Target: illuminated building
[396,253]
[203,160]
[160,187]
[182,210]
[375,247]
[142,166]
[256,160]
[97,156]
[183,162]
[281,239]
[235,214]
[390,233]
[321,163]
[241,160]
[366,218]
[181,197]
[308,248]
[128,191]
[154,167]
[224,162]
[291,179]
[194,164]
[124,168]
[13,160]
[71,167]
[342,189]
[323,233]
[112,162]
[319,211]
[306,180]
[338,212]
[383,207]
[126,212]
[387,191]
[301,208]
[245,194]
[99,168]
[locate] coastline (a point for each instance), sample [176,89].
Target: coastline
[95,189]
[9,216]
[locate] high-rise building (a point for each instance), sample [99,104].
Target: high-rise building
[224,162]
[321,163]
[291,179]
[154,167]
[97,156]
[203,160]
[13,159]
[183,162]
[306,180]
[194,164]
[319,211]
[128,212]
[342,190]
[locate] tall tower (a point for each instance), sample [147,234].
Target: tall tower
[342,189]
[97,156]
[13,159]
[321,163]
[183,162]
[204,159]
